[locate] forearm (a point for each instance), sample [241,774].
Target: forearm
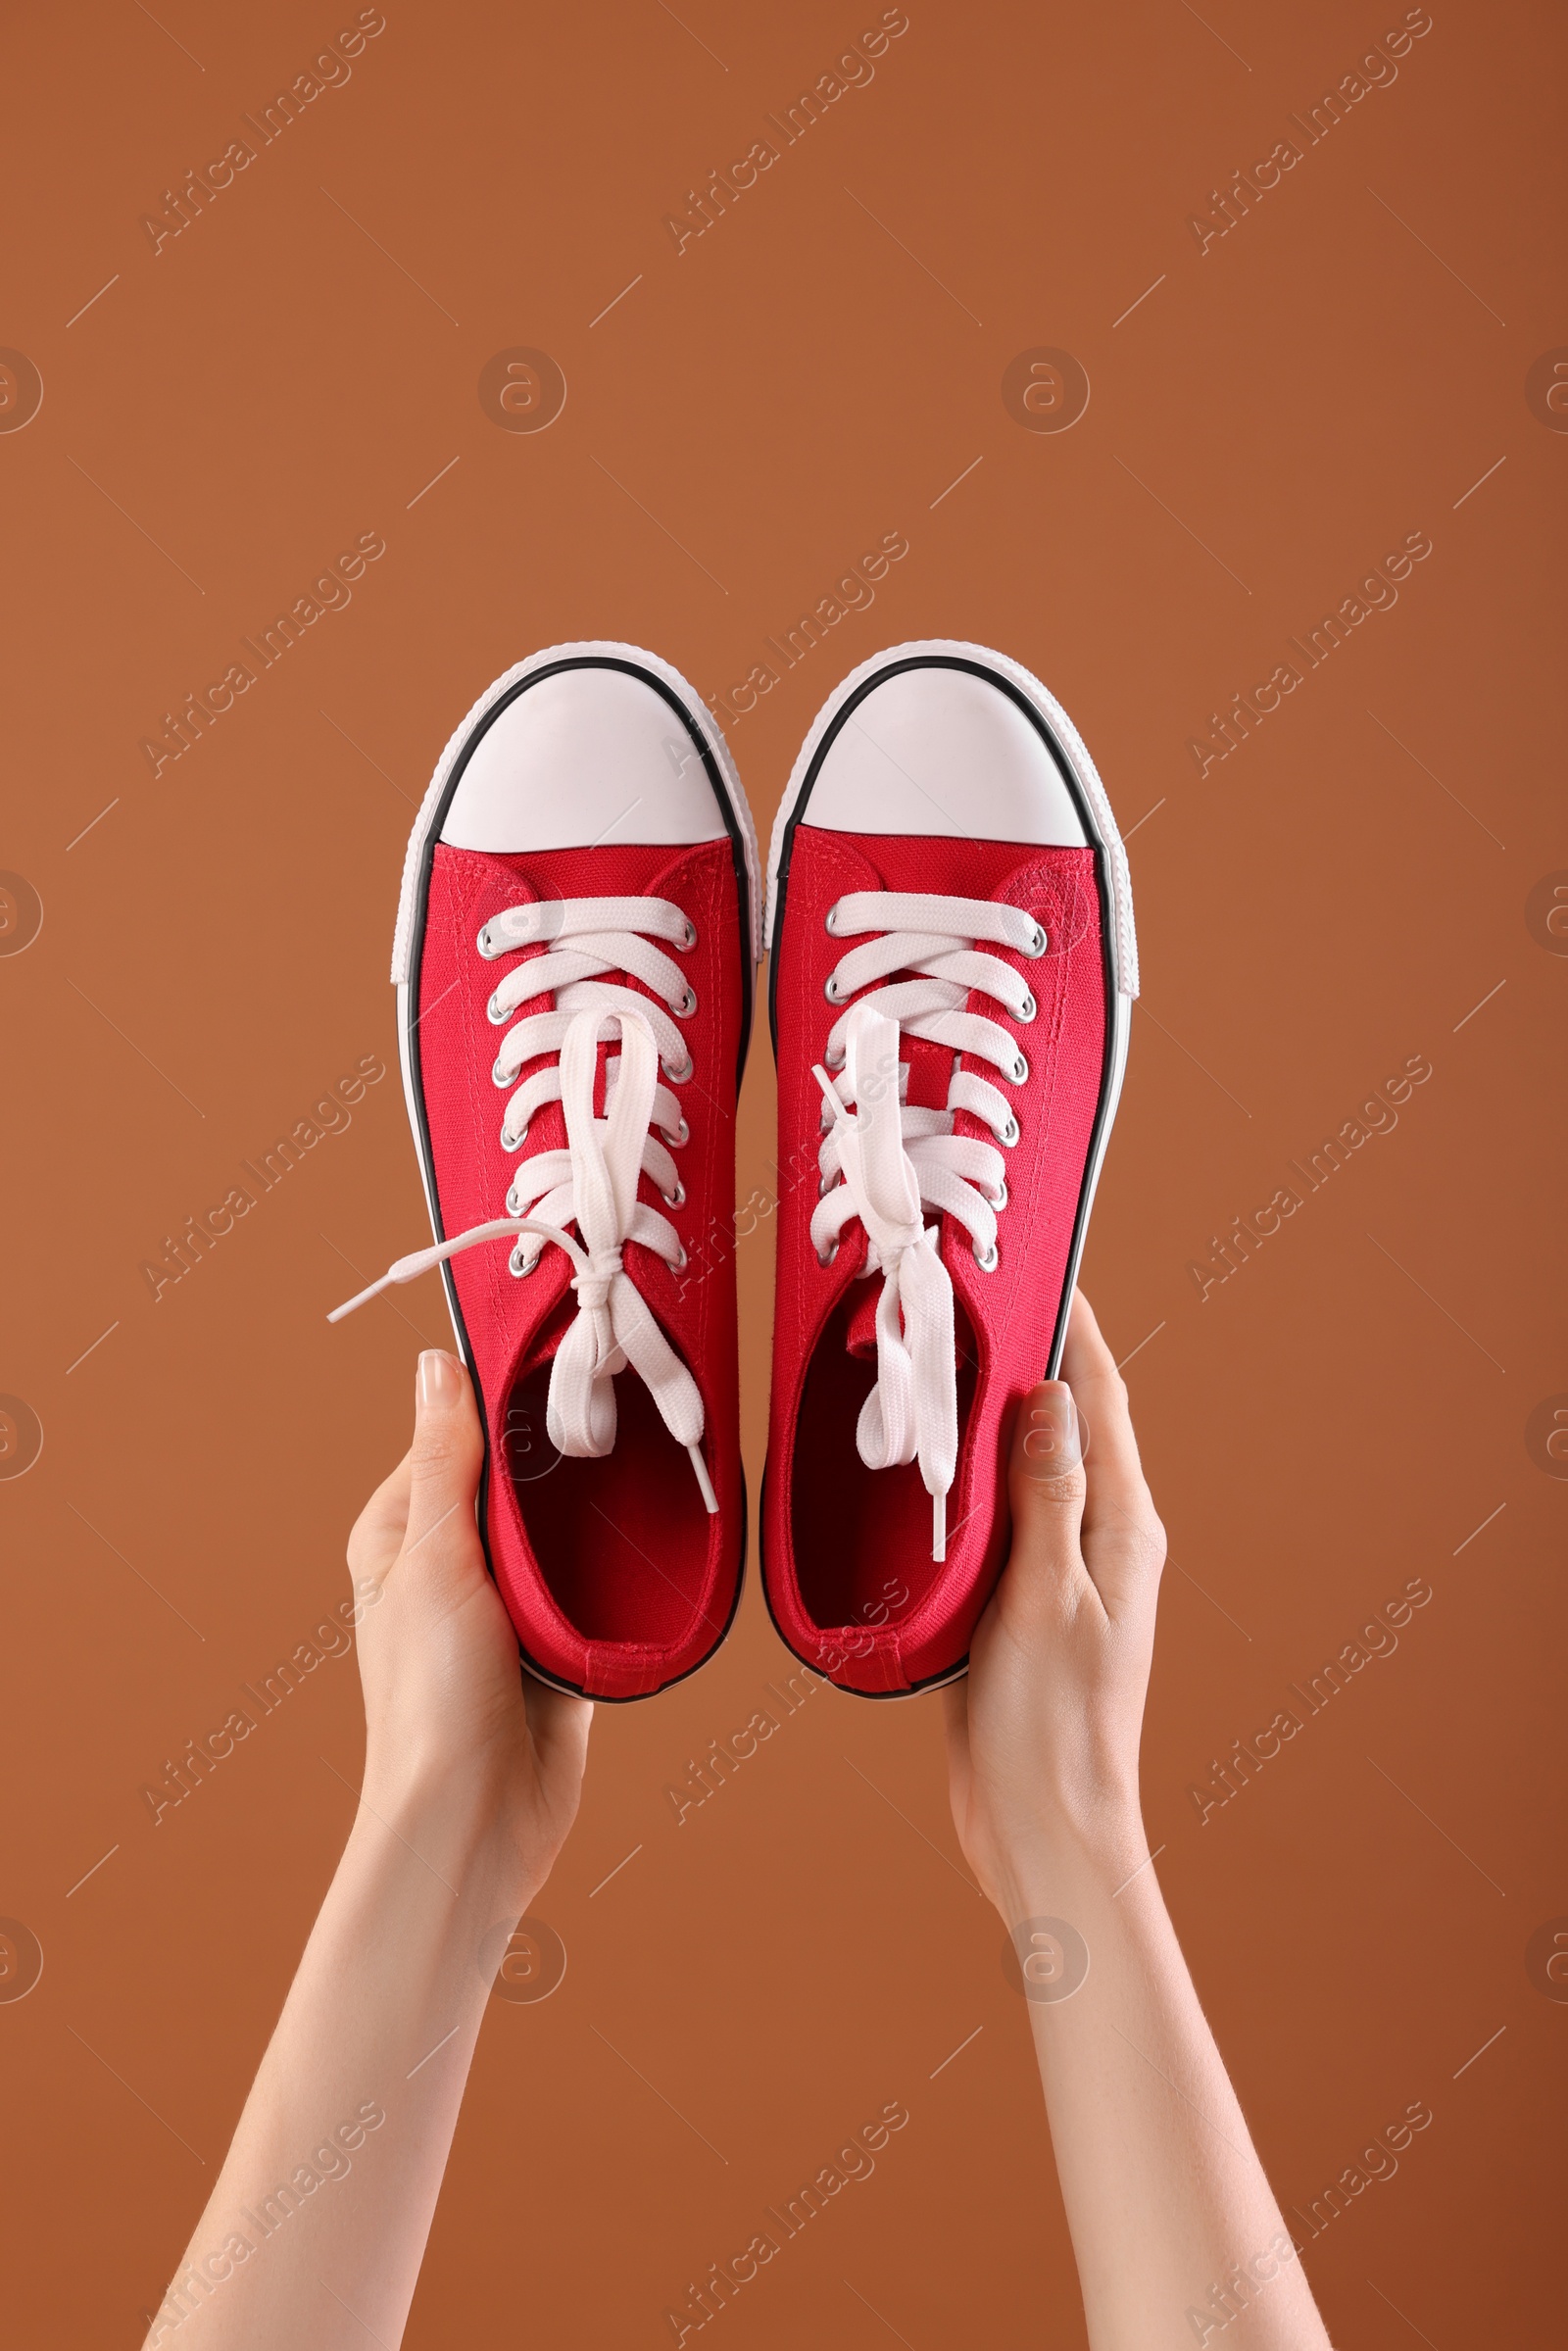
[1178,2238]
[317,2222]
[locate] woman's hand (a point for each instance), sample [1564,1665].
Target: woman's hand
[1161,2185]
[472,1779]
[450,1714]
[1043,1737]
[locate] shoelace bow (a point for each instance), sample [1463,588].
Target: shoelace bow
[895,1160]
[593,1182]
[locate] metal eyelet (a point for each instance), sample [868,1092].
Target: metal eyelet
[682,1133]
[1027,1009]
[521,1266]
[678,1075]
[687,1005]
[681,1263]
[990,1260]
[1020,1071]
[500,1075]
[999,1198]
[495,1016]
[676,1199]
[833,1061]
[509,1142]
[825,1185]
[1009,1133]
[1035,946]
[482,942]
[685,946]
[826,1261]
[830,920]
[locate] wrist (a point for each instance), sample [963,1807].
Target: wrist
[461,1825]
[1048,1866]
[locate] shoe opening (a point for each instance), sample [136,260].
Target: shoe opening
[862,1537]
[623,1542]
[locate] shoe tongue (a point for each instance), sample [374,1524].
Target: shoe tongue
[930,1068]
[861,1337]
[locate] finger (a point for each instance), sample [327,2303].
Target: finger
[1119,1513]
[955,1721]
[1115,1473]
[446,1457]
[376,1536]
[1046,1486]
[955,1741]
[559,1724]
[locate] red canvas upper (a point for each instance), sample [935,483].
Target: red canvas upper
[847,1550]
[616,1578]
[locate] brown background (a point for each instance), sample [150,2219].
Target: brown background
[1275,415]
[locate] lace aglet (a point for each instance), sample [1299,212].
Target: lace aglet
[363,1299]
[939,1526]
[710,1497]
[407,1270]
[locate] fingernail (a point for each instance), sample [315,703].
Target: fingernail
[437,1383]
[1055,1438]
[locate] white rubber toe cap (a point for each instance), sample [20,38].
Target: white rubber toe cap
[585,756]
[941,750]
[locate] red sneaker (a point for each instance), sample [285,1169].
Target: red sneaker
[575,945]
[953,973]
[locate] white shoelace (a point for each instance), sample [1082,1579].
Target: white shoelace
[593,1182]
[894,1160]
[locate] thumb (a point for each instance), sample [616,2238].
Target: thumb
[1045,1482]
[448,1450]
